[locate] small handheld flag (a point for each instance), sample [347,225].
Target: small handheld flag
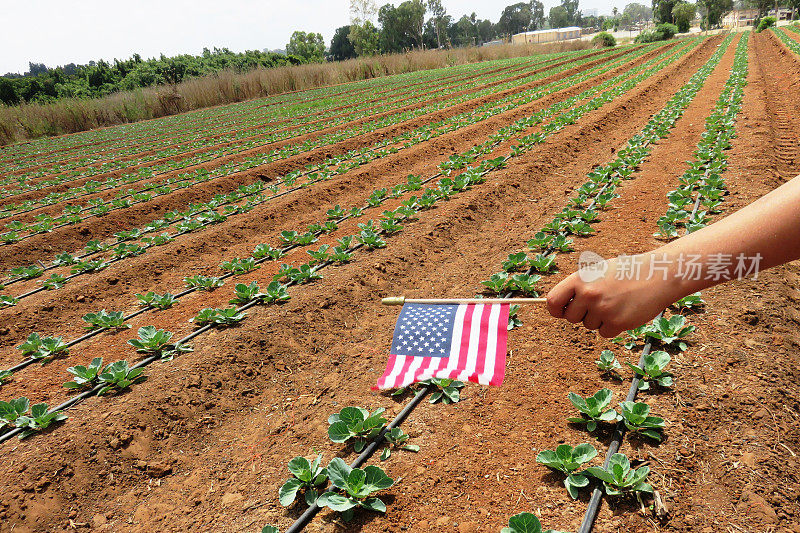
[464,341]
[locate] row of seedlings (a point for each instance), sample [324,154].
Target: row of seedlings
[217,121]
[19,230]
[198,136]
[99,207]
[475,90]
[617,475]
[370,237]
[319,173]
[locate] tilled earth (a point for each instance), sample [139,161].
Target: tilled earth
[202,445]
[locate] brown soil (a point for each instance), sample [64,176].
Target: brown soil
[43,247]
[193,134]
[203,444]
[326,129]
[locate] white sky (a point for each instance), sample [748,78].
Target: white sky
[56,32]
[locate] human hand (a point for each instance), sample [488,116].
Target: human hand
[612,305]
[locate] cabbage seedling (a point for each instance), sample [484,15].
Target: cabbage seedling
[688,302]
[26,272]
[43,348]
[5,375]
[357,486]
[119,376]
[355,423]
[11,410]
[525,283]
[608,363]
[38,420]
[525,523]
[594,408]
[239,266]
[620,478]
[270,529]
[275,292]
[321,255]
[636,418]
[85,376]
[8,301]
[336,213]
[654,365]
[515,262]
[153,341]
[670,331]
[448,390]
[306,476]
[340,256]
[105,319]
[513,317]
[397,437]
[568,460]
[203,283]
[55,281]
[497,283]
[265,250]
[245,293]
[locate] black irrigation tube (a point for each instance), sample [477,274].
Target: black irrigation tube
[619,431]
[148,360]
[382,145]
[371,448]
[402,92]
[541,64]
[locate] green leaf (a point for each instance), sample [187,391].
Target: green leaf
[523,523]
[336,502]
[339,432]
[288,492]
[338,472]
[300,469]
[374,504]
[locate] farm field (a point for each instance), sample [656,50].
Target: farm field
[423,184]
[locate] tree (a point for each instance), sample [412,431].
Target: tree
[573,15]
[362,11]
[464,32]
[683,14]
[439,19]
[537,15]
[714,10]
[662,10]
[559,18]
[515,18]
[308,46]
[486,31]
[341,47]
[401,26]
[638,12]
[365,38]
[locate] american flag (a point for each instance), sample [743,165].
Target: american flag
[466,342]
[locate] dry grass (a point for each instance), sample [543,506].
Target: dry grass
[29,121]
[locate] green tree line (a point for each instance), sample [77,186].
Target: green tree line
[42,84]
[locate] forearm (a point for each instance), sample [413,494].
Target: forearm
[762,235]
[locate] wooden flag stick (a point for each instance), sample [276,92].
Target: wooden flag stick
[400,300]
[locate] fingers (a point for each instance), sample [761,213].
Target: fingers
[592,321]
[609,331]
[560,296]
[576,310]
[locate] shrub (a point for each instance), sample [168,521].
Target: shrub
[649,36]
[766,22]
[603,40]
[667,29]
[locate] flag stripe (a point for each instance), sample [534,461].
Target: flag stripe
[489,369]
[470,338]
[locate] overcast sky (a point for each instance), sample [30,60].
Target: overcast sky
[71,31]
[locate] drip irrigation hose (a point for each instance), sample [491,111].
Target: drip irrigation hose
[619,432]
[312,511]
